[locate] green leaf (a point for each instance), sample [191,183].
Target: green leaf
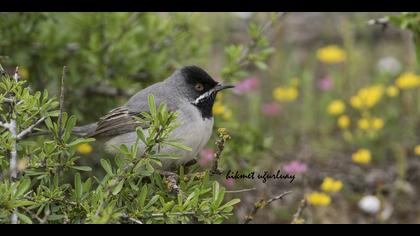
[215,190]
[143,195]
[82,168]
[23,187]
[230,203]
[21,203]
[107,167]
[55,217]
[261,65]
[118,188]
[152,201]
[80,141]
[178,145]
[25,219]
[167,156]
[140,134]
[78,187]
[152,105]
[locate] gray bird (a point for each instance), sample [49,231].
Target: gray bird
[190,91]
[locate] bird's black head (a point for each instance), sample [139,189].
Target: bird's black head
[201,89]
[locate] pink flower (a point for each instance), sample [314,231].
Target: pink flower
[206,156]
[295,167]
[325,84]
[229,182]
[270,109]
[247,85]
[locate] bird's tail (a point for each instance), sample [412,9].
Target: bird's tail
[83,131]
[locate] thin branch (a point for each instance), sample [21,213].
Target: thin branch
[60,116]
[261,204]
[296,217]
[220,143]
[241,190]
[13,152]
[8,100]
[28,130]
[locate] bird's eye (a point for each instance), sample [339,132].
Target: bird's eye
[199,87]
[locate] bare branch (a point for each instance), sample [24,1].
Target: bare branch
[8,100]
[261,204]
[28,130]
[297,215]
[241,190]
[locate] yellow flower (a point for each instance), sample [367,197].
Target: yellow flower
[218,108]
[318,199]
[407,81]
[417,150]
[377,123]
[356,102]
[362,156]
[367,97]
[343,121]
[392,91]
[336,107]
[84,148]
[363,124]
[331,185]
[331,54]
[285,94]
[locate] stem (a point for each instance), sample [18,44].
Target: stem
[261,204]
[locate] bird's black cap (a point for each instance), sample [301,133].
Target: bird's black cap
[196,74]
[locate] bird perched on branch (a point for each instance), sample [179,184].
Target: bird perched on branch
[190,91]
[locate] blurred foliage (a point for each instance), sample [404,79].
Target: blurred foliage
[409,21]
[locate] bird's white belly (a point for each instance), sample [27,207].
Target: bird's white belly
[194,132]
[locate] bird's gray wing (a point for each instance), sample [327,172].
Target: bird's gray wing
[118,121]
[121,120]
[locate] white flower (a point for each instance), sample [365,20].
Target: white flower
[388,65]
[370,204]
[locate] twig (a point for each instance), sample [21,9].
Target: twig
[28,130]
[261,204]
[220,143]
[60,116]
[7,100]
[13,151]
[297,215]
[241,190]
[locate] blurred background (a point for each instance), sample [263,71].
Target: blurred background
[328,97]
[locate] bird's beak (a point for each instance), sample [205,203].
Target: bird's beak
[220,87]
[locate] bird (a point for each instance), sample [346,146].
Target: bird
[190,91]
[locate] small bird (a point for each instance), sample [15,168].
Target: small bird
[190,91]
